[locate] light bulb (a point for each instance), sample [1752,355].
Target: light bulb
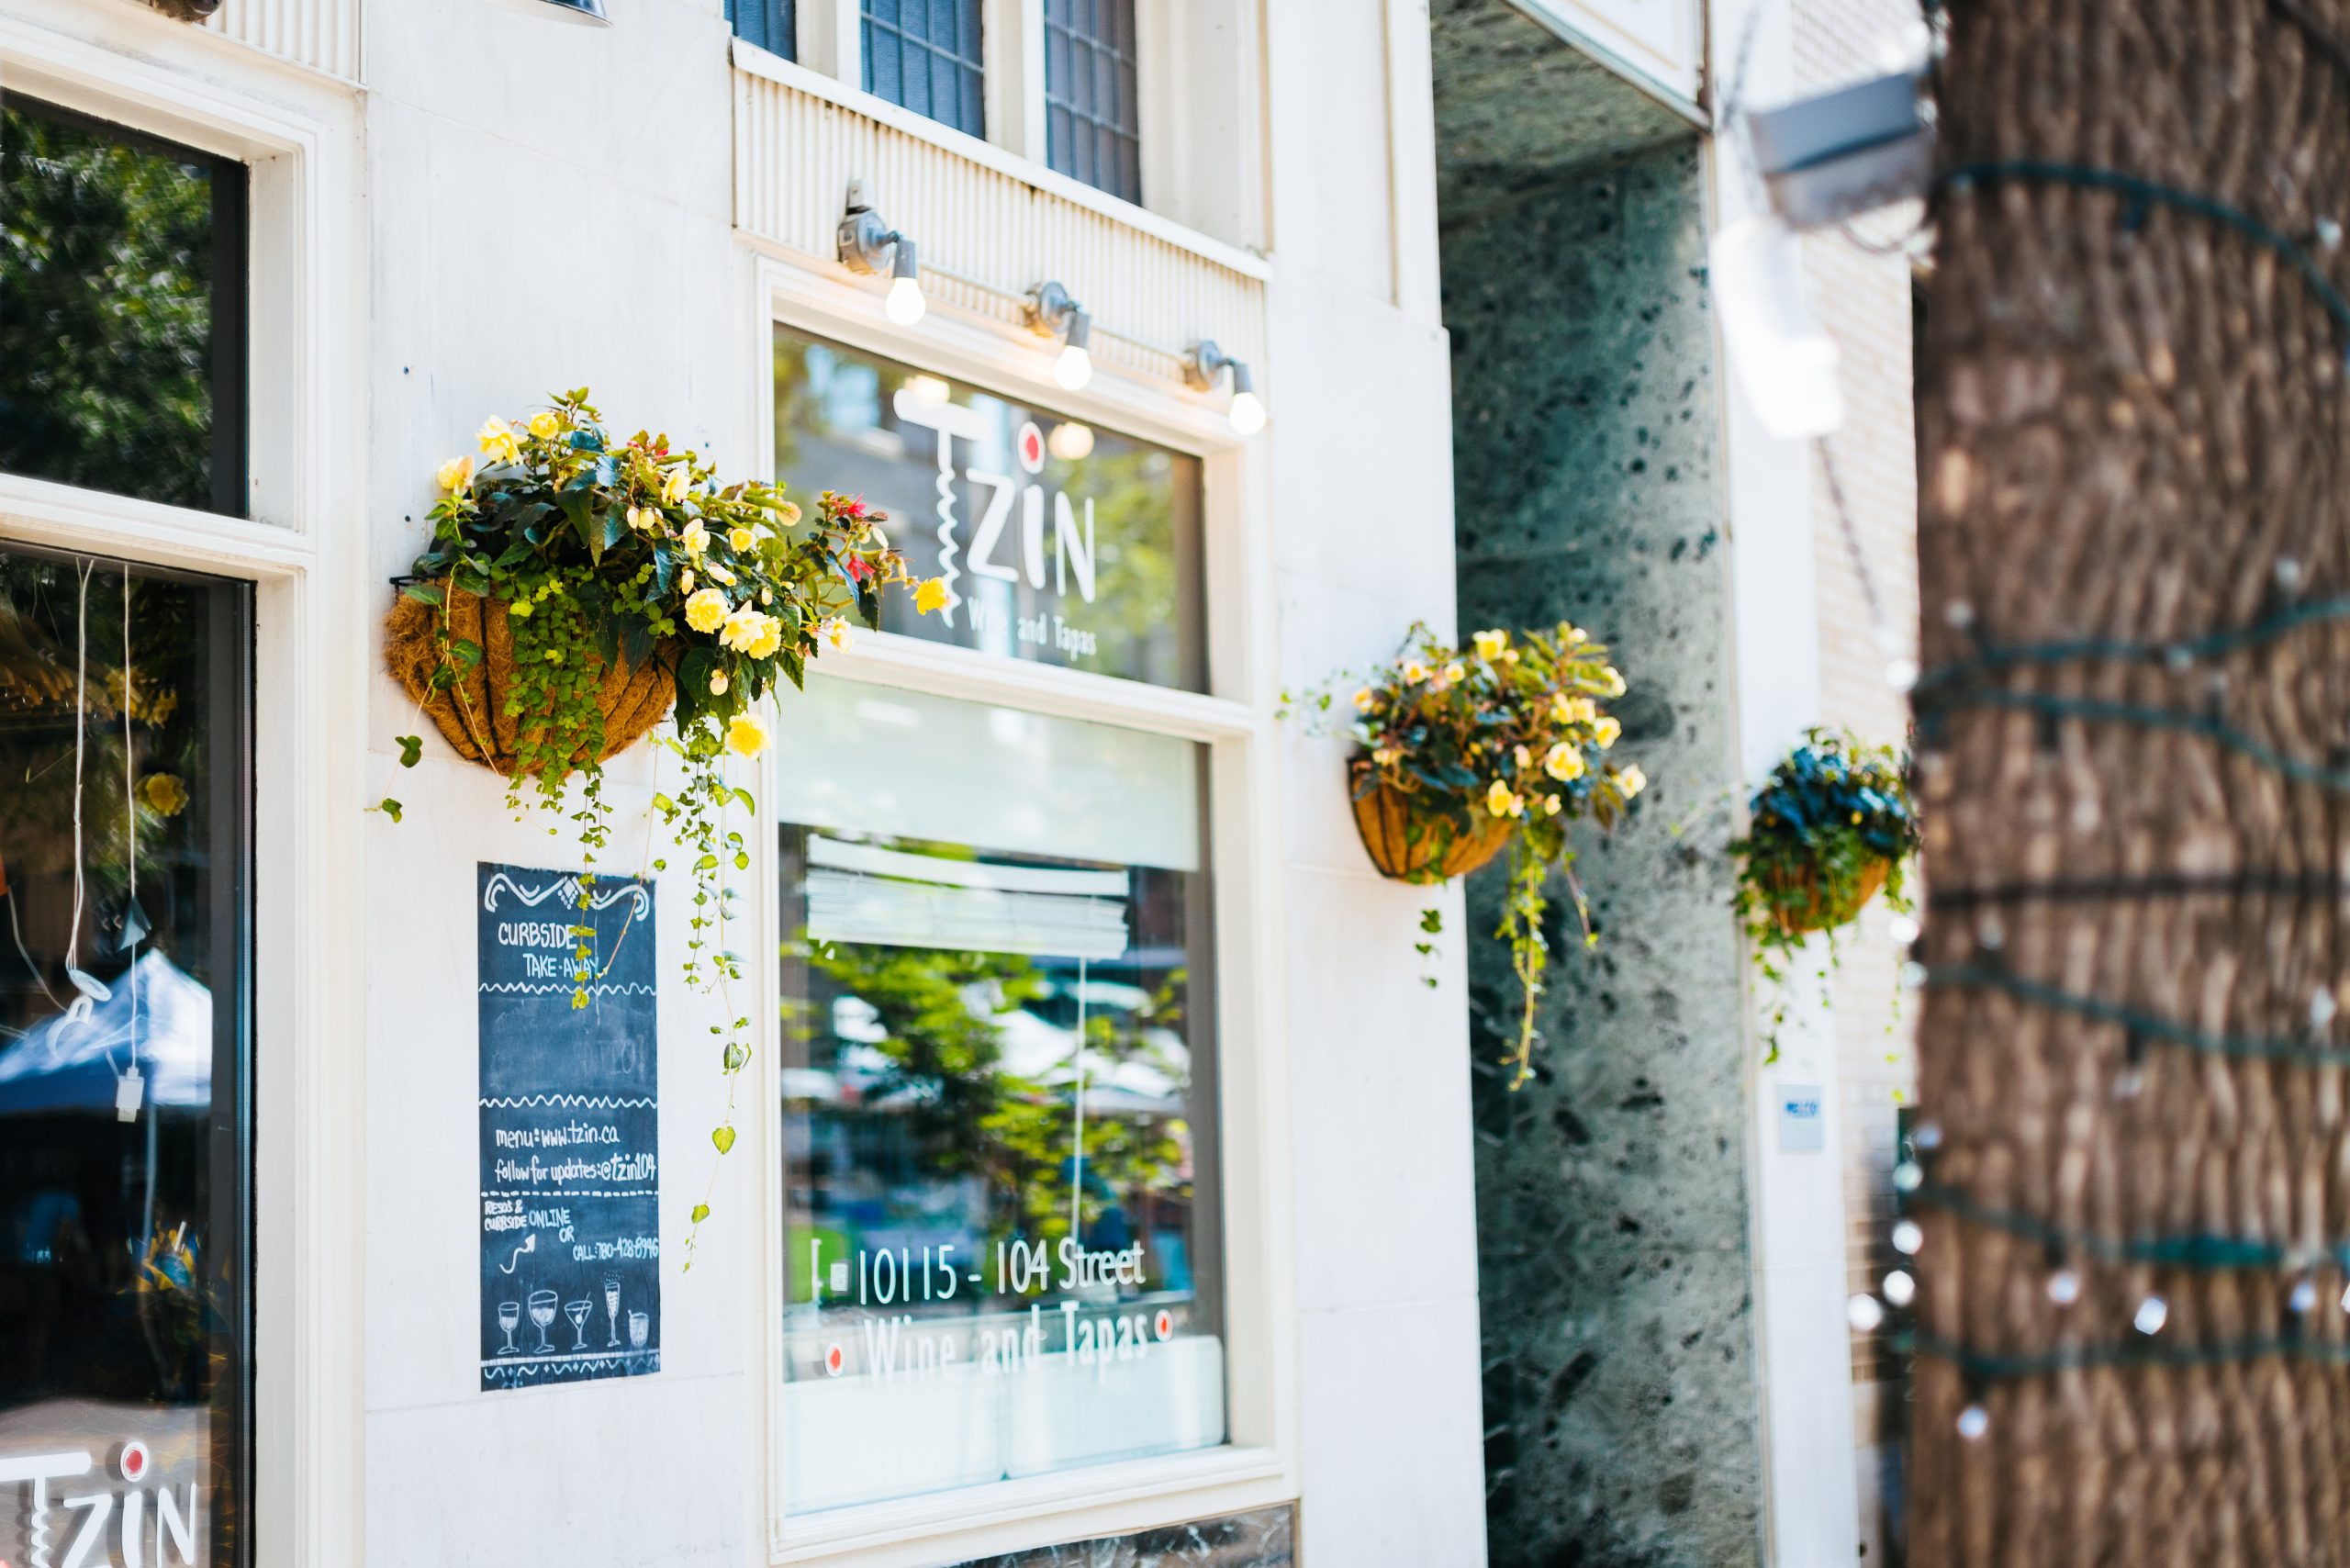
[2153,1313]
[1865,1313]
[904,304]
[1900,1287]
[1248,415]
[1973,1422]
[2304,1296]
[1071,442]
[1908,1236]
[930,389]
[1903,929]
[2063,1287]
[1073,369]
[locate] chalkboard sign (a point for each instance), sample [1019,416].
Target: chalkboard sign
[570,1128]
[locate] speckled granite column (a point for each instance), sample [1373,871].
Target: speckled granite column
[1264,1539]
[1621,1399]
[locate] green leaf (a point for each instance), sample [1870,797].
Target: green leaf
[423,593]
[724,1138]
[701,1212]
[465,651]
[743,799]
[411,749]
[389,807]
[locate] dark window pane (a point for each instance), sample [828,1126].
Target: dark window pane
[933,62]
[772,25]
[1092,127]
[124,1240]
[122,286]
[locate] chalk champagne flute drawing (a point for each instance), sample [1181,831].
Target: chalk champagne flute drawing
[510,1313]
[612,1309]
[543,1314]
[577,1311]
[639,1325]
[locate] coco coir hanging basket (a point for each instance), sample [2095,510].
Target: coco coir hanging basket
[475,715]
[1800,905]
[1416,846]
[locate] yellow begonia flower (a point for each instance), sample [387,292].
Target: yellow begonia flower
[1551,805]
[1499,799]
[719,573]
[544,424]
[1383,755]
[706,610]
[673,489]
[835,632]
[1415,671]
[496,439]
[1563,763]
[789,512]
[1614,678]
[744,628]
[1491,644]
[1525,757]
[745,735]
[696,538]
[718,683]
[1573,636]
[741,538]
[1455,671]
[165,794]
[455,474]
[1364,699]
[930,594]
[686,581]
[1631,782]
[770,638]
[1604,731]
[642,517]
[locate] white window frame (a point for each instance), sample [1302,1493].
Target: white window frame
[1199,80]
[297,134]
[1234,720]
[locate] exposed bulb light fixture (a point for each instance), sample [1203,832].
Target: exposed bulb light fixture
[1071,442]
[1051,312]
[1206,363]
[869,245]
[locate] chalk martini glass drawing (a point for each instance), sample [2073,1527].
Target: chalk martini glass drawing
[543,1314]
[577,1311]
[612,1309]
[639,1325]
[510,1313]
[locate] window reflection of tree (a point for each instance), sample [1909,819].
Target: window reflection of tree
[956,1111]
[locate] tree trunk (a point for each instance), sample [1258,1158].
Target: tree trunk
[2132,430]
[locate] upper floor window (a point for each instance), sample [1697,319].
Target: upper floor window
[924,54]
[122,310]
[773,25]
[1092,123]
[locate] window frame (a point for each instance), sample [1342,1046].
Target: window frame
[296,133]
[1233,720]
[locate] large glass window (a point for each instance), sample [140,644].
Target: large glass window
[1058,541]
[926,55]
[1093,119]
[1002,1248]
[125,1192]
[773,25]
[122,310]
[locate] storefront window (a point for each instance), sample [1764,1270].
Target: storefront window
[122,290]
[1058,541]
[124,1198]
[1001,1250]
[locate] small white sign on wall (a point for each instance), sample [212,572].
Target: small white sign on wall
[1659,44]
[1802,1127]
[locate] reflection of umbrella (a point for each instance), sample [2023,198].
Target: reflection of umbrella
[71,1065]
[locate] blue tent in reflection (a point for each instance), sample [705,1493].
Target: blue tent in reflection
[65,1064]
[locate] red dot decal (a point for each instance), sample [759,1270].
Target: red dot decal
[1031,448]
[132,1462]
[1164,1324]
[833,1361]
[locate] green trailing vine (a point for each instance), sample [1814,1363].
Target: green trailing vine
[625,566]
[1834,822]
[1501,740]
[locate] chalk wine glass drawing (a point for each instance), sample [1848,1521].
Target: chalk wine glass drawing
[509,1315]
[543,1314]
[612,1309]
[1462,753]
[579,586]
[577,1311]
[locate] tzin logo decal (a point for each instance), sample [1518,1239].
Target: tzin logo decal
[173,1536]
[1073,553]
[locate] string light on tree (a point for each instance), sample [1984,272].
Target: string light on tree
[2153,1313]
[1900,1287]
[1907,1238]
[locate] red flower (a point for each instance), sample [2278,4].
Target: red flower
[855,507]
[859,568]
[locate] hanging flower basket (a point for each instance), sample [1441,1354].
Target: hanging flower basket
[478,714]
[1411,844]
[1800,905]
